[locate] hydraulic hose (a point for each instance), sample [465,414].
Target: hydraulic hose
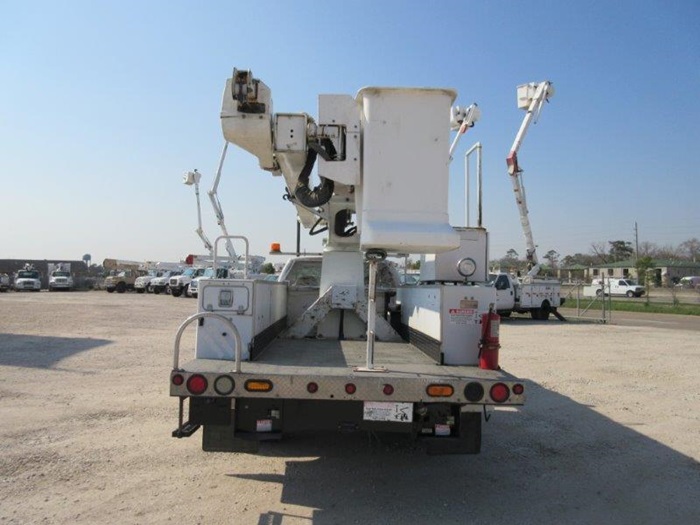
[318,196]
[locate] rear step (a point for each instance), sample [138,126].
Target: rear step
[185,430]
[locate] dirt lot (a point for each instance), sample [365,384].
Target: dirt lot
[610,433]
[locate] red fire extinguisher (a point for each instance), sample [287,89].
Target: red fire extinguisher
[489,344]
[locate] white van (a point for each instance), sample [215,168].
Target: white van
[692,281]
[614,286]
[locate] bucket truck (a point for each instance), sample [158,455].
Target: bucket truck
[122,274]
[343,346]
[28,278]
[60,277]
[528,294]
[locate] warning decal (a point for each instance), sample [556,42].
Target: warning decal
[462,315]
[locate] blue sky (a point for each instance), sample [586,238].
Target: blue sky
[104,106]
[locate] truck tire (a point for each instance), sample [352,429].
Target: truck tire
[630,294]
[140,290]
[545,310]
[110,290]
[121,287]
[168,290]
[175,292]
[598,292]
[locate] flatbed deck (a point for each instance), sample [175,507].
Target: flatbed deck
[305,357]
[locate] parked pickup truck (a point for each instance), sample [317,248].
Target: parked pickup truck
[626,287]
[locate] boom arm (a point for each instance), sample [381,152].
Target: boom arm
[218,211]
[531,97]
[192,178]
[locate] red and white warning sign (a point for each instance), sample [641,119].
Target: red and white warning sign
[462,315]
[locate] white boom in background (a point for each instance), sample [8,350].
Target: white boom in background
[531,97]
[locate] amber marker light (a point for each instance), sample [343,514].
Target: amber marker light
[258,385]
[440,390]
[275,247]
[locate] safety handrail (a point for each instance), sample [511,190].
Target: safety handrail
[201,315]
[230,237]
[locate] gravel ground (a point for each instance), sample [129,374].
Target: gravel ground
[610,432]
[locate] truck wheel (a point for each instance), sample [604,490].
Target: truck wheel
[156,290]
[149,288]
[545,310]
[121,287]
[598,293]
[140,290]
[168,290]
[186,291]
[630,294]
[110,290]
[175,292]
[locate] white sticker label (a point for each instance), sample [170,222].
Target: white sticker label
[264,425]
[442,430]
[381,411]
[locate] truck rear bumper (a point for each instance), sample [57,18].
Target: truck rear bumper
[239,426]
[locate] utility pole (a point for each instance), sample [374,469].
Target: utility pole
[636,241]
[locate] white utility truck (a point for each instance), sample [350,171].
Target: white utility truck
[530,293]
[339,351]
[60,277]
[28,278]
[538,297]
[180,284]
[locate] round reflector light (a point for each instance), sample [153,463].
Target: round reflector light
[197,384]
[224,385]
[312,388]
[474,392]
[388,390]
[499,393]
[350,388]
[178,379]
[518,389]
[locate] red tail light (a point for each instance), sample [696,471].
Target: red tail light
[312,388]
[178,379]
[350,388]
[499,393]
[388,390]
[518,389]
[197,384]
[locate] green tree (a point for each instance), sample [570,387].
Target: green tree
[620,250]
[268,268]
[553,257]
[643,265]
